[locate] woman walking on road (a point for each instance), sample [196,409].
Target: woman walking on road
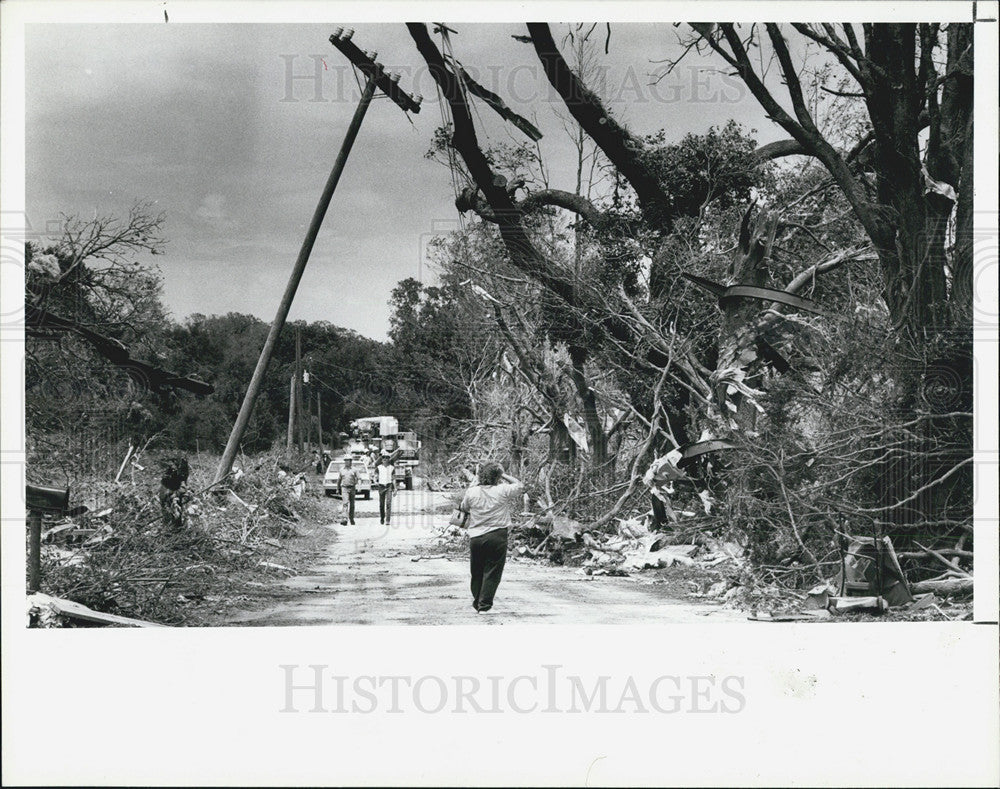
[489,505]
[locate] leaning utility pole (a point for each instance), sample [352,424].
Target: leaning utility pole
[375,77]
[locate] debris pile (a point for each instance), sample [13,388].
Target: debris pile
[147,550]
[630,548]
[870,579]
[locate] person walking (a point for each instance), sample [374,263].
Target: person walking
[386,480]
[348,486]
[489,505]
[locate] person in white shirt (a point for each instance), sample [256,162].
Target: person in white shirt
[489,505]
[386,480]
[348,486]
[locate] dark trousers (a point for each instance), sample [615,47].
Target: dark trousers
[347,494]
[385,502]
[487,556]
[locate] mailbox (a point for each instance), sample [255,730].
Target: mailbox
[47,499]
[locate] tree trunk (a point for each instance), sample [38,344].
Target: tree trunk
[910,241]
[595,429]
[947,586]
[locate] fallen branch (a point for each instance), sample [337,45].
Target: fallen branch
[943,551]
[943,560]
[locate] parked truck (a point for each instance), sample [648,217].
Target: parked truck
[407,449]
[377,434]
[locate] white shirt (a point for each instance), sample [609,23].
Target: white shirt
[385,473]
[491,507]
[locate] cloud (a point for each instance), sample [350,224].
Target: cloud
[213,213]
[194,116]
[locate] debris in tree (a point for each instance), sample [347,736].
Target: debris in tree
[496,103]
[734,292]
[697,448]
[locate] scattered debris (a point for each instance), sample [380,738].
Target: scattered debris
[922,601]
[818,598]
[47,611]
[841,604]
[870,568]
[116,555]
[807,616]
[565,528]
[274,566]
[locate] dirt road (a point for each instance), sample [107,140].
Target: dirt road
[402,574]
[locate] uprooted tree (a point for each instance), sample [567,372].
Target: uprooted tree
[850,410]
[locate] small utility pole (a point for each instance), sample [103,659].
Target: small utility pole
[319,422]
[291,417]
[375,77]
[307,394]
[299,408]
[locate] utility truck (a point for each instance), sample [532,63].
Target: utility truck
[377,434]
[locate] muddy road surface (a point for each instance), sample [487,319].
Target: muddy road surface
[404,573]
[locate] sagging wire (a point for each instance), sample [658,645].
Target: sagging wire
[447,119]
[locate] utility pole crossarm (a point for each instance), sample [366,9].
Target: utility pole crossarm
[384,81]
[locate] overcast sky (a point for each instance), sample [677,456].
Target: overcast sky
[202,120]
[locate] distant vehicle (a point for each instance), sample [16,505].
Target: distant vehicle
[374,427]
[331,481]
[408,448]
[374,435]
